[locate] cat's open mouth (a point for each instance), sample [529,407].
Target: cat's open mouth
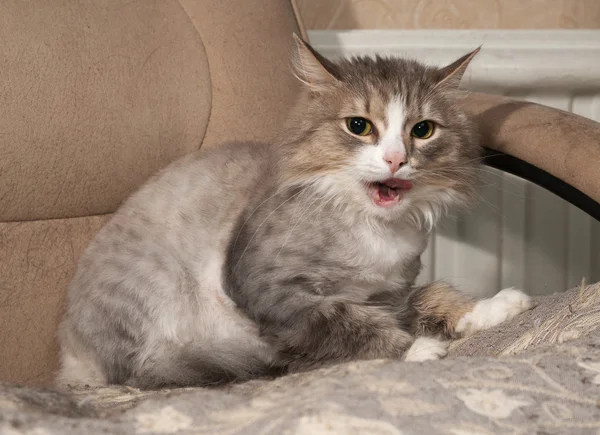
[388,192]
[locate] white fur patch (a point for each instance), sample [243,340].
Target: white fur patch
[370,163]
[80,370]
[383,252]
[426,349]
[491,312]
[392,137]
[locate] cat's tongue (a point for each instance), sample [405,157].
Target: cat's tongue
[388,192]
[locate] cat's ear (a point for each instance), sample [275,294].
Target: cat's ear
[311,68]
[452,74]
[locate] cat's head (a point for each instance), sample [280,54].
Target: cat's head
[383,135]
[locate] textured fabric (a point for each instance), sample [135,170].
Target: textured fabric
[248,47]
[557,318]
[37,261]
[551,388]
[95,95]
[561,143]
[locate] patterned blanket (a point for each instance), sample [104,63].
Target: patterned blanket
[539,373]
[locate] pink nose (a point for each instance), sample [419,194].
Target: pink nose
[395,160]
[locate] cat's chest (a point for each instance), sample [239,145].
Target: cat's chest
[383,253]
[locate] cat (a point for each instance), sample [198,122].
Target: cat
[252,260]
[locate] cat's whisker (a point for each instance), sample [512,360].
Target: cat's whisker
[494,208]
[464,165]
[277,192]
[499,186]
[261,224]
[306,208]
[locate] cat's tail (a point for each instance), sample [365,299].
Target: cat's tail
[212,365]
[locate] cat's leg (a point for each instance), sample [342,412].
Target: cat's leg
[210,364]
[79,369]
[423,348]
[311,331]
[444,311]
[427,349]
[487,313]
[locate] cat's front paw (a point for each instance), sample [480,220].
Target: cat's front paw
[426,349]
[491,312]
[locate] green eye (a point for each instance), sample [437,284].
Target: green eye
[423,130]
[359,126]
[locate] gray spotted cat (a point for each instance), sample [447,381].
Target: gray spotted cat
[252,260]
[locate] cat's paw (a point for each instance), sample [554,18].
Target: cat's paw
[426,349]
[491,312]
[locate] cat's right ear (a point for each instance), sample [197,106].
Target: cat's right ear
[311,68]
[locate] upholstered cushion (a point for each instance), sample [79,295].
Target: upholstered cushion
[248,44]
[95,96]
[37,261]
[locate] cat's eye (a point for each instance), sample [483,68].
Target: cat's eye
[359,126]
[423,130]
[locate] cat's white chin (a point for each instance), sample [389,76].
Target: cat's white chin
[388,193]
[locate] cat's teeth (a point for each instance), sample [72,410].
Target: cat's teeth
[385,190]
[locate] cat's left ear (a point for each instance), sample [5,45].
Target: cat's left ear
[452,74]
[311,68]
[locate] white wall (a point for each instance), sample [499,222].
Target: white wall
[519,234]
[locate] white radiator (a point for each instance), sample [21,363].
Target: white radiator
[520,234]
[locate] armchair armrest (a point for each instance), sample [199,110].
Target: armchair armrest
[555,149]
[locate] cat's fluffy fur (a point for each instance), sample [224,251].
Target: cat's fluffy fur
[257,259]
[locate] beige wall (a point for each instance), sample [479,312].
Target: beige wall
[450,14]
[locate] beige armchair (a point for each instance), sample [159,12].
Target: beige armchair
[97,95]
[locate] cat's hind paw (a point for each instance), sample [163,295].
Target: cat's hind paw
[491,312]
[426,349]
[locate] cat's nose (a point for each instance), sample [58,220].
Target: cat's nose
[395,160]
